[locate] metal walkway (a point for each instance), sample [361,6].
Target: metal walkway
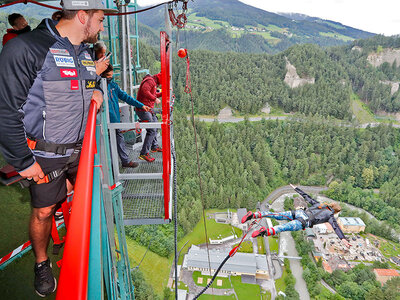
[143,199]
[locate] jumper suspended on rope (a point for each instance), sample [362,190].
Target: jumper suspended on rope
[300,219]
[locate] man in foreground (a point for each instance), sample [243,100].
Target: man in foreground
[47,82]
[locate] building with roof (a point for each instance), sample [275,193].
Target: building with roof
[249,264]
[351,224]
[337,263]
[383,275]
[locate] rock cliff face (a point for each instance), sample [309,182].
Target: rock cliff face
[225,113]
[387,55]
[394,86]
[293,79]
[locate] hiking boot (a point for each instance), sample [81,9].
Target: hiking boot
[261,232]
[247,217]
[45,283]
[158,149]
[147,157]
[130,164]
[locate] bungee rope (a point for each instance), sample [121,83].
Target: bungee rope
[235,249]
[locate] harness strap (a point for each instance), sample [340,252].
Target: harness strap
[43,145]
[303,222]
[55,173]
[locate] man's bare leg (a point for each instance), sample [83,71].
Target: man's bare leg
[39,231]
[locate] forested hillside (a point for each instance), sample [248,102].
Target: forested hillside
[242,163]
[247,82]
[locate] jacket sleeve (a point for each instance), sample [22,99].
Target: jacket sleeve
[126,98]
[146,90]
[336,227]
[19,70]
[306,196]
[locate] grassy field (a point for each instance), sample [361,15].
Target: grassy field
[215,230]
[280,284]
[154,267]
[361,111]
[246,247]
[17,278]
[273,244]
[245,290]
[337,36]
[225,281]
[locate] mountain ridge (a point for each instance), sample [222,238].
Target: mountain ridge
[216,20]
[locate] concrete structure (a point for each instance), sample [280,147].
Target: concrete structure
[383,275]
[223,217]
[351,225]
[320,228]
[241,212]
[221,241]
[241,264]
[310,233]
[182,295]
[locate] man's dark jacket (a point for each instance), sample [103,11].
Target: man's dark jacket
[45,90]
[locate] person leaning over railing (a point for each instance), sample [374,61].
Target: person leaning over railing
[115,93]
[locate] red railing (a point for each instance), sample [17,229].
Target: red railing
[166,121]
[73,281]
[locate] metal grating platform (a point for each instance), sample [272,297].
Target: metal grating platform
[143,201]
[144,166]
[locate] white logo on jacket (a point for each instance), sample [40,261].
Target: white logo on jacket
[64,61]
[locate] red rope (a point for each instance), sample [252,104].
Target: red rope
[30,1]
[59,8]
[234,250]
[188,86]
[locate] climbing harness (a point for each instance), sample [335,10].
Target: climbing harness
[42,145]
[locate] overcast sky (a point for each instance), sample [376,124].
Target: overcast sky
[377,16]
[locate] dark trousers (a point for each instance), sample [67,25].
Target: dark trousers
[151,133]
[121,148]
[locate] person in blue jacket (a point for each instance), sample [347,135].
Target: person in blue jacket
[115,93]
[300,219]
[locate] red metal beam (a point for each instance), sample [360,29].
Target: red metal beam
[73,282]
[165,126]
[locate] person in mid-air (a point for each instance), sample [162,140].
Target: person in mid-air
[300,219]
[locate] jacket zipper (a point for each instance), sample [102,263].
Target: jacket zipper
[83,98]
[44,124]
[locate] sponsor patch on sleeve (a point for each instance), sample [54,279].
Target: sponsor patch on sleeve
[64,61]
[90,84]
[68,73]
[87,63]
[59,51]
[91,69]
[74,85]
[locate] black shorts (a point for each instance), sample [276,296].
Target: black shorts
[47,194]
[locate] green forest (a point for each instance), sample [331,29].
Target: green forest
[247,82]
